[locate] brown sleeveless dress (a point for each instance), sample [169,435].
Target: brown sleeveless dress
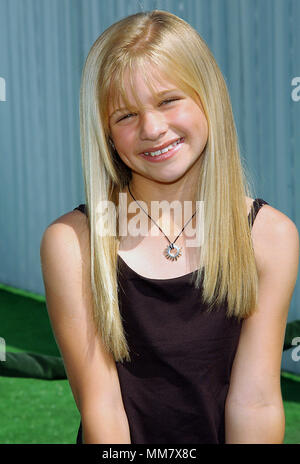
[175,387]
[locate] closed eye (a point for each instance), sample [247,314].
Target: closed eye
[126,116]
[169,100]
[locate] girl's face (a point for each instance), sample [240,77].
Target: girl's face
[173,117]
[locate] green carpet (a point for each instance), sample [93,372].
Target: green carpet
[37,405]
[37,411]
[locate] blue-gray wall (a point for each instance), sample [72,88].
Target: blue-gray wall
[43,44]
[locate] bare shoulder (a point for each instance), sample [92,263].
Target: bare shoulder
[275,239]
[74,221]
[65,259]
[71,231]
[269,217]
[273,235]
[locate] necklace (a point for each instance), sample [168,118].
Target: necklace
[172,252]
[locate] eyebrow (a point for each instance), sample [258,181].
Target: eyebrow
[159,94]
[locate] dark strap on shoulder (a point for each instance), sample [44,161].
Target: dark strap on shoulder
[81,208]
[256,205]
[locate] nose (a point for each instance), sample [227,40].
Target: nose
[153,125]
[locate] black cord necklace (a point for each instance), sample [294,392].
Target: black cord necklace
[167,252]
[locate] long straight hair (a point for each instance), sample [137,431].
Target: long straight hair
[175,48]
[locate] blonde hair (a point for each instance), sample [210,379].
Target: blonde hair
[170,43]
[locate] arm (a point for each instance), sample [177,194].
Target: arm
[254,410]
[91,370]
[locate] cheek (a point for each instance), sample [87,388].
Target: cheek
[121,139]
[201,123]
[193,124]
[125,143]
[191,116]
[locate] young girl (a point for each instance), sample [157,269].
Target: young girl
[167,338]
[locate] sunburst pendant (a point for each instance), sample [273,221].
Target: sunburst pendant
[175,255]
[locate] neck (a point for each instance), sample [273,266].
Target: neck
[148,192]
[177,216]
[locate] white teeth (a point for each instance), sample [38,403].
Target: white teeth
[164,150]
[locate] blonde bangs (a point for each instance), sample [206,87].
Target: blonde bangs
[127,65]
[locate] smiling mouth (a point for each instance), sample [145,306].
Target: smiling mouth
[163,150]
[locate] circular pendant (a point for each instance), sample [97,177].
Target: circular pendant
[175,254]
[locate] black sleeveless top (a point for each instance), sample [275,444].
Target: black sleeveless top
[175,386]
